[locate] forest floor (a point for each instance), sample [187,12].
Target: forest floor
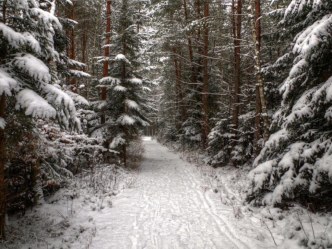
[168,203]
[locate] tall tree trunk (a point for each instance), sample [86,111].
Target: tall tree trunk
[237,21]
[3,159]
[190,47]
[205,93]
[193,70]
[179,91]
[261,106]
[125,108]
[84,58]
[84,46]
[125,155]
[106,52]
[3,156]
[72,55]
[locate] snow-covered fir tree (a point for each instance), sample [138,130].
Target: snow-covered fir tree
[125,107]
[30,36]
[296,161]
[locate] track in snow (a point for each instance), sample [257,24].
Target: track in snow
[165,209]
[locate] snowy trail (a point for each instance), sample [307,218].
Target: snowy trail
[166,208]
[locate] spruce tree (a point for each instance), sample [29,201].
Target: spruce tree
[296,161]
[125,107]
[29,59]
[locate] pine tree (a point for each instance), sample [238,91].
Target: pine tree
[295,162]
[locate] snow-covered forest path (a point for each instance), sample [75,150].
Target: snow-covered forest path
[165,208]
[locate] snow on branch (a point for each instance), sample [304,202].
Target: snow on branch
[79,74]
[46,17]
[59,98]
[120,89]
[260,174]
[64,104]
[109,81]
[2,123]
[117,141]
[121,58]
[313,37]
[136,81]
[33,67]
[141,121]
[299,6]
[34,104]
[16,39]
[297,71]
[75,63]
[131,104]
[125,119]
[7,83]
[78,99]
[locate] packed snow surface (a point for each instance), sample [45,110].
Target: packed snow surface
[165,208]
[166,203]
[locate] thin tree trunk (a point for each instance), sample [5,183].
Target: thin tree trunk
[190,50]
[261,106]
[237,21]
[106,52]
[84,46]
[73,81]
[3,156]
[125,155]
[84,58]
[3,160]
[190,47]
[125,108]
[178,90]
[205,96]
[181,92]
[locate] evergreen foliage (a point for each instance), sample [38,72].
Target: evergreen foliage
[126,105]
[295,162]
[29,57]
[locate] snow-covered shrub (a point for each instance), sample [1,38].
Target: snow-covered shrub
[191,130]
[296,161]
[63,154]
[220,143]
[221,139]
[135,153]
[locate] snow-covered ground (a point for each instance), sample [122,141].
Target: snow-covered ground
[266,227]
[168,207]
[169,204]
[68,218]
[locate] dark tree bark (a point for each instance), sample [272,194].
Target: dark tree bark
[84,57]
[179,90]
[3,160]
[106,52]
[72,54]
[190,47]
[237,23]
[205,93]
[261,105]
[3,156]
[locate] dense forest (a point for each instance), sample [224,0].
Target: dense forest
[245,84]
